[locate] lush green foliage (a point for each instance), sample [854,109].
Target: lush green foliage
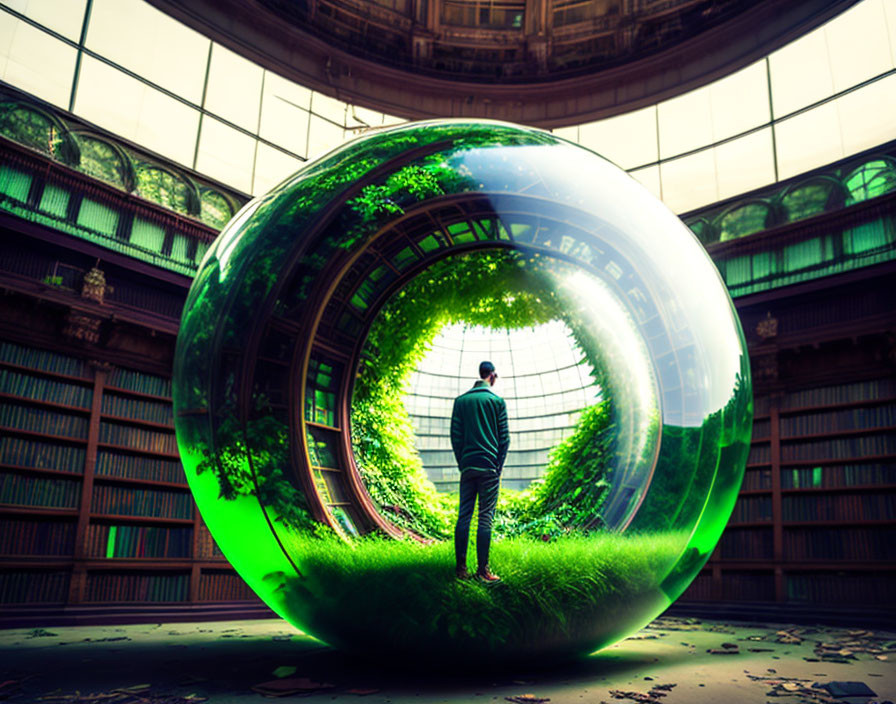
[568,591]
[493,288]
[265,476]
[569,495]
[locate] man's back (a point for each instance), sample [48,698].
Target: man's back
[479,431]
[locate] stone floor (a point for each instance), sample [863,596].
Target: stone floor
[674,660]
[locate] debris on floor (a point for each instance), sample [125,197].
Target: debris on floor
[137,694]
[289,686]
[846,689]
[527,699]
[656,693]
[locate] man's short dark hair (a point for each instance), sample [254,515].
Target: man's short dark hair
[485,368]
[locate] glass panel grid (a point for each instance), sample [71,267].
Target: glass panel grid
[541,376]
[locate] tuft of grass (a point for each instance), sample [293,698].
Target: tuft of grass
[569,596]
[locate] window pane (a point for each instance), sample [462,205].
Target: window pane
[226,154]
[570,133]
[271,167]
[650,178]
[745,163]
[284,116]
[234,88]
[689,182]
[144,40]
[323,136]
[740,102]
[34,61]
[358,116]
[330,108]
[64,18]
[139,113]
[801,73]
[858,44]
[685,122]
[808,141]
[867,115]
[627,140]
[890,18]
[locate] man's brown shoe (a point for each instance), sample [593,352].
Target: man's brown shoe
[487,576]
[461,573]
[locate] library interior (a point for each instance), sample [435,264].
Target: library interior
[226,469]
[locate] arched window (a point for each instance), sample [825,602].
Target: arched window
[745,219]
[703,229]
[105,161]
[871,179]
[811,197]
[168,189]
[216,208]
[38,130]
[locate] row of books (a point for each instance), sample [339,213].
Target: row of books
[25,490]
[109,586]
[747,586]
[833,507]
[43,389]
[124,501]
[29,537]
[322,447]
[867,445]
[43,421]
[138,409]
[821,588]
[833,476]
[115,464]
[752,508]
[840,544]
[206,547]
[218,585]
[833,421]
[33,586]
[320,406]
[42,455]
[700,589]
[759,454]
[42,359]
[139,438]
[104,540]
[757,479]
[762,428]
[842,393]
[138,381]
[746,544]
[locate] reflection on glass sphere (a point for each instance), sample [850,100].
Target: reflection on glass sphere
[310,321]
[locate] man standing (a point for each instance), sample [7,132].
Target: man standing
[479,438]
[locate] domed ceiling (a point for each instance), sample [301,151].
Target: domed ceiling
[542,62]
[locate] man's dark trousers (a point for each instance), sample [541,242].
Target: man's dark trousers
[484,484]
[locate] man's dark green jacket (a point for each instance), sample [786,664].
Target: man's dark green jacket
[479,433]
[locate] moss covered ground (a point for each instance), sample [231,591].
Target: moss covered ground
[570,595]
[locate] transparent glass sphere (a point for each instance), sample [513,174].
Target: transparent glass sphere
[302,330]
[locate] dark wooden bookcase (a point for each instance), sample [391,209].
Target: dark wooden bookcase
[95,507]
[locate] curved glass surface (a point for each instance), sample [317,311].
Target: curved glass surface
[282,407]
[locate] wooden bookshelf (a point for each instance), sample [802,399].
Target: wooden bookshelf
[123,454]
[821,517]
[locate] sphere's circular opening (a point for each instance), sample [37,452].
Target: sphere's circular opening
[588,435]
